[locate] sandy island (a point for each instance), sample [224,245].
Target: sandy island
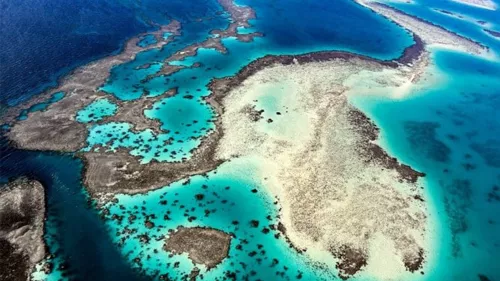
[22,214]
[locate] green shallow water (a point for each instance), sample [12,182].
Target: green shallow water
[222,200]
[451,132]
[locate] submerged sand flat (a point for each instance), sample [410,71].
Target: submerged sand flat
[315,153]
[430,33]
[485,4]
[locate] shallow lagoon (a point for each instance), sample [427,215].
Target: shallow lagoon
[433,139]
[443,132]
[227,200]
[451,132]
[96,111]
[132,80]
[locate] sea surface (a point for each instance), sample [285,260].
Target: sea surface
[450,131]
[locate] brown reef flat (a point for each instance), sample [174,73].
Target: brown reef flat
[22,215]
[204,246]
[55,128]
[133,112]
[350,261]
[89,77]
[122,173]
[119,172]
[240,15]
[340,191]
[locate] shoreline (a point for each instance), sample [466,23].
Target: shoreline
[80,89]
[209,162]
[240,16]
[203,160]
[203,157]
[410,55]
[71,136]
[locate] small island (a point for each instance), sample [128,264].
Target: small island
[204,246]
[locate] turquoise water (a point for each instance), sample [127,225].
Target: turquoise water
[220,200]
[187,116]
[78,240]
[145,144]
[96,111]
[467,26]
[178,114]
[41,106]
[166,35]
[452,133]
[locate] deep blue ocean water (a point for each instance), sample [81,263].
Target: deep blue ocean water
[43,40]
[450,132]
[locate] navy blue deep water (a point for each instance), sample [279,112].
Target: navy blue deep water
[292,26]
[43,40]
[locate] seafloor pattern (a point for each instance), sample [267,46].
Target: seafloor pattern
[258,140]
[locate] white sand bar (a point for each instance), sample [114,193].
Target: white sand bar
[485,4]
[429,33]
[308,147]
